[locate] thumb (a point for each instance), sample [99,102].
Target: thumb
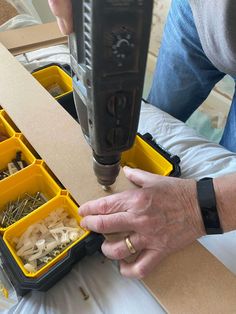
[62,9]
[140,177]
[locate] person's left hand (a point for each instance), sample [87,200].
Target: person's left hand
[160,217]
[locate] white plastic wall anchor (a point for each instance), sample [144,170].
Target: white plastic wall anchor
[40,244]
[65,237]
[42,228]
[27,253]
[73,223]
[51,246]
[36,255]
[59,211]
[51,220]
[73,235]
[57,233]
[56,225]
[26,235]
[28,245]
[59,230]
[30,268]
[55,236]
[46,236]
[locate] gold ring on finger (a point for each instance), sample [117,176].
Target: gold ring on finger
[130,245]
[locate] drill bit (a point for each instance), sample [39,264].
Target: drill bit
[106,188]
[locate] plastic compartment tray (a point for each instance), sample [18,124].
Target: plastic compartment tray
[145,157]
[66,100]
[32,180]
[8,152]
[20,227]
[51,75]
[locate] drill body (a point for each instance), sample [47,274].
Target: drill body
[108,51]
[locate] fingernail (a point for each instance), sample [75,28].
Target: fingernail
[126,168]
[83,224]
[80,211]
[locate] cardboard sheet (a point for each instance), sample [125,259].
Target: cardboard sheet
[30,38]
[193,281]
[190,281]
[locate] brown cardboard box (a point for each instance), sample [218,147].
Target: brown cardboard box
[190,281]
[30,38]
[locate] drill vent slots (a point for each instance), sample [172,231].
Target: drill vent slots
[87,32]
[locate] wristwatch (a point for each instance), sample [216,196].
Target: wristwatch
[207,202]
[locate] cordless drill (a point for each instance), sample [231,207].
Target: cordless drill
[108,51]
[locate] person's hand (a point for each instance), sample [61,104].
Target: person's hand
[62,9]
[161,217]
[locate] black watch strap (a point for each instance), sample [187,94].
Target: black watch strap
[207,203]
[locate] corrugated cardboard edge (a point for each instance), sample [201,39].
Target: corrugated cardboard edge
[190,281]
[30,38]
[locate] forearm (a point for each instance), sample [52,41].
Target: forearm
[225,190]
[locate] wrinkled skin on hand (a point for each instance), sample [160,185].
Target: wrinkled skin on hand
[161,217]
[62,9]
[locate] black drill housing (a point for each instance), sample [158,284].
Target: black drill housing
[109,49]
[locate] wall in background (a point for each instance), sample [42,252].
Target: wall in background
[43,10]
[160,11]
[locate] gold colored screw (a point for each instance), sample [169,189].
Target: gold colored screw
[84,294]
[4,291]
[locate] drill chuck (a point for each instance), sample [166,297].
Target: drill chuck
[106,174]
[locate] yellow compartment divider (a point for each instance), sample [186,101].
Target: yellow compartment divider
[20,227]
[51,75]
[144,157]
[31,180]
[10,122]
[29,146]
[65,193]
[5,127]
[8,152]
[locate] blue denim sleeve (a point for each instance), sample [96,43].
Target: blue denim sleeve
[229,136]
[184,76]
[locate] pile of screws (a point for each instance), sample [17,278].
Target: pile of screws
[45,240]
[25,205]
[14,166]
[49,257]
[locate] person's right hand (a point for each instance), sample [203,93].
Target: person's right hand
[62,9]
[160,216]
